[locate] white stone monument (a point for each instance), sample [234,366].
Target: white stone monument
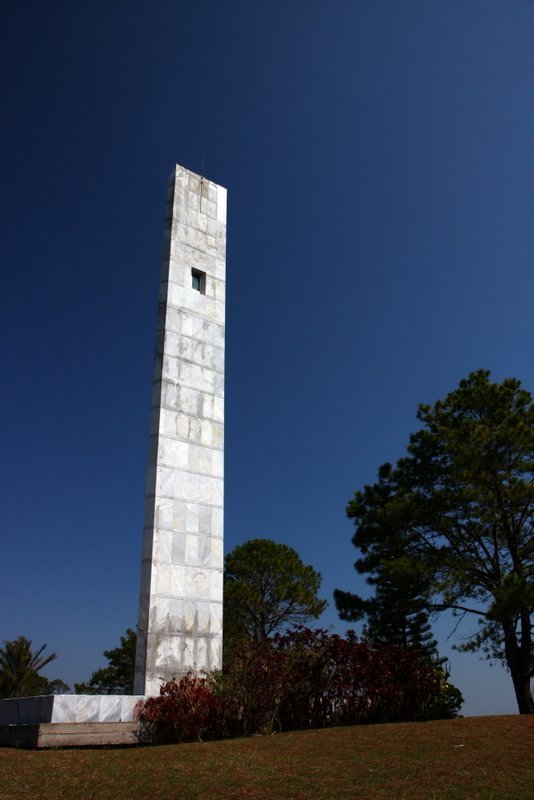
[180,607]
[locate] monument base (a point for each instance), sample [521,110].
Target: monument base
[69,734]
[70,720]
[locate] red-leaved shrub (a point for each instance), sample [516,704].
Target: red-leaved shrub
[302,679]
[185,711]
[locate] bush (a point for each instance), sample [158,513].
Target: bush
[253,688]
[303,679]
[341,681]
[185,711]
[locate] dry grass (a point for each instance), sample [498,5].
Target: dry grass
[480,757]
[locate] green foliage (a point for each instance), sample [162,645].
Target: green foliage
[20,667]
[398,612]
[460,509]
[448,700]
[267,588]
[118,676]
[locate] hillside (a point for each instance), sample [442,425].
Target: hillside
[479,757]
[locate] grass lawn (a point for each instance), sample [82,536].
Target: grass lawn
[465,759]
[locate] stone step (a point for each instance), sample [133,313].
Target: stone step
[69,734]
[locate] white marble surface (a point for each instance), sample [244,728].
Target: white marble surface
[180,611]
[70,708]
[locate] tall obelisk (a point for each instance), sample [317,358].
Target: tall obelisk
[180,607]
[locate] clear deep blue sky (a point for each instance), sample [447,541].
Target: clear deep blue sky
[379,165]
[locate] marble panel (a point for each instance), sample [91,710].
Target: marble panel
[204,305]
[201,654]
[110,708]
[220,244]
[170,514]
[178,547]
[70,709]
[166,425]
[192,401]
[205,331]
[216,552]
[193,219]
[178,322]
[188,653]
[169,579]
[216,585]
[174,483]
[190,616]
[203,379]
[65,708]
[207,355]
[204,519]
[199,353]
[189,428]
[202,618]
[212,226]
[219,272]
[168,615]
[217,522]
[205,461]
[212,191]
[180,346]
[217,463]
[218,389]
[88,708]
[197,239]
[219,290]
[178,272]
[192,524]
[179,178]
[162,546]
[131,705]
[212,434]
[192,376]
[174,453]
[170,369]
[216,617]
[221,204]
[198,551]
[194,183]
[218,409]
[215,652]
[168,653]
[190,258]
[197,583]
[191,549]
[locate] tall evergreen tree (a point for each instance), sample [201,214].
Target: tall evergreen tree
[398,611]
[460,507]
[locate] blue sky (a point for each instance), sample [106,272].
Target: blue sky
[379,165]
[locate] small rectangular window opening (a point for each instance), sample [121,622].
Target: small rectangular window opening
[198,281]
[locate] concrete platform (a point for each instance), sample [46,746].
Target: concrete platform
[70,720]
[69,734]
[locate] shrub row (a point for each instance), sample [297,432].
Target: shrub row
[303,679]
